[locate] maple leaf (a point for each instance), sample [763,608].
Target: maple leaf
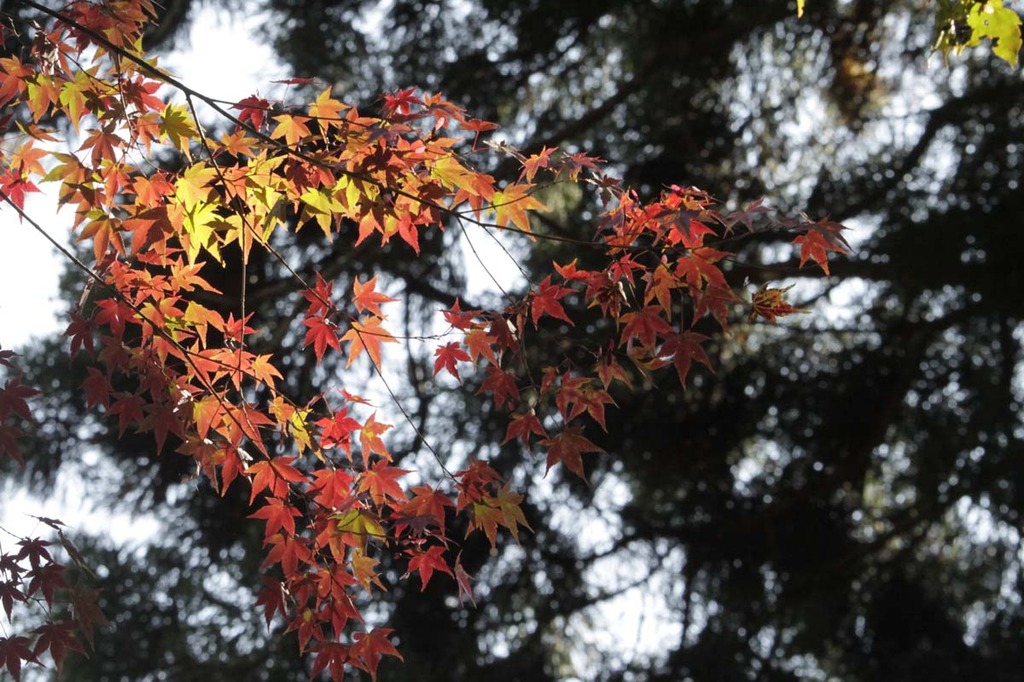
[361,523]
[502,385]
[292,128]
[425,563]
[532,164]
[364,571]
[511,205]
[367,334]
[289,551]
[645,326]
[688,231]
[370,439]
[320,298]
[401,102]
[698,268]
[567,448]
[609,370]
[272,598]
[459,318]
[381,481]
[745,217]
[770,304]
[574,164]
[368,648]
[14,650]
[332,657]
[684,349]
[522,425]
[278,515]
[544,301]
[660,283]
[331,487]
[58,638]
[308,627]
[273,476]
[326,110]
[13,397]
[336,431]
[253,110]
[13,188]
[86,611]
[34,549]
[322,333]
[366,297]
[480,344]
[9,594]
[502,509]
[128,408]
[454,175]
[427,506]
[177,125]
[46,579]
[820,238]
[581,396]
[446,357]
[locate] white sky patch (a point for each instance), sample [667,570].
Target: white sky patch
[30,269]
[227,57]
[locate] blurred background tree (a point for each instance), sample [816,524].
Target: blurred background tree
[841,499]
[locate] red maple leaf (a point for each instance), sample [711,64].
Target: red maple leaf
[320,298]
[427,507]
[273,476]
[522,425]
[684,349]
[272,598]
[332,487]
[253,110]
[567,448]
[821,237]
[366,297]
[321,333]
[58,638]
[446,357]
[337,431]
[545,301]
[332,657]
[14,187]
[12,399]
[14,650]
[459,318]
[278,515]
[425,563]
[502,386]
[401,102]
[645,326]
[370,439]
[381,481]
[368,648]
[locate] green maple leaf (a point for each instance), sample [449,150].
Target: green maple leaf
[176,123]
[997,23]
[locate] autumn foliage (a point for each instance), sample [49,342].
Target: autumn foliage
[317,468]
